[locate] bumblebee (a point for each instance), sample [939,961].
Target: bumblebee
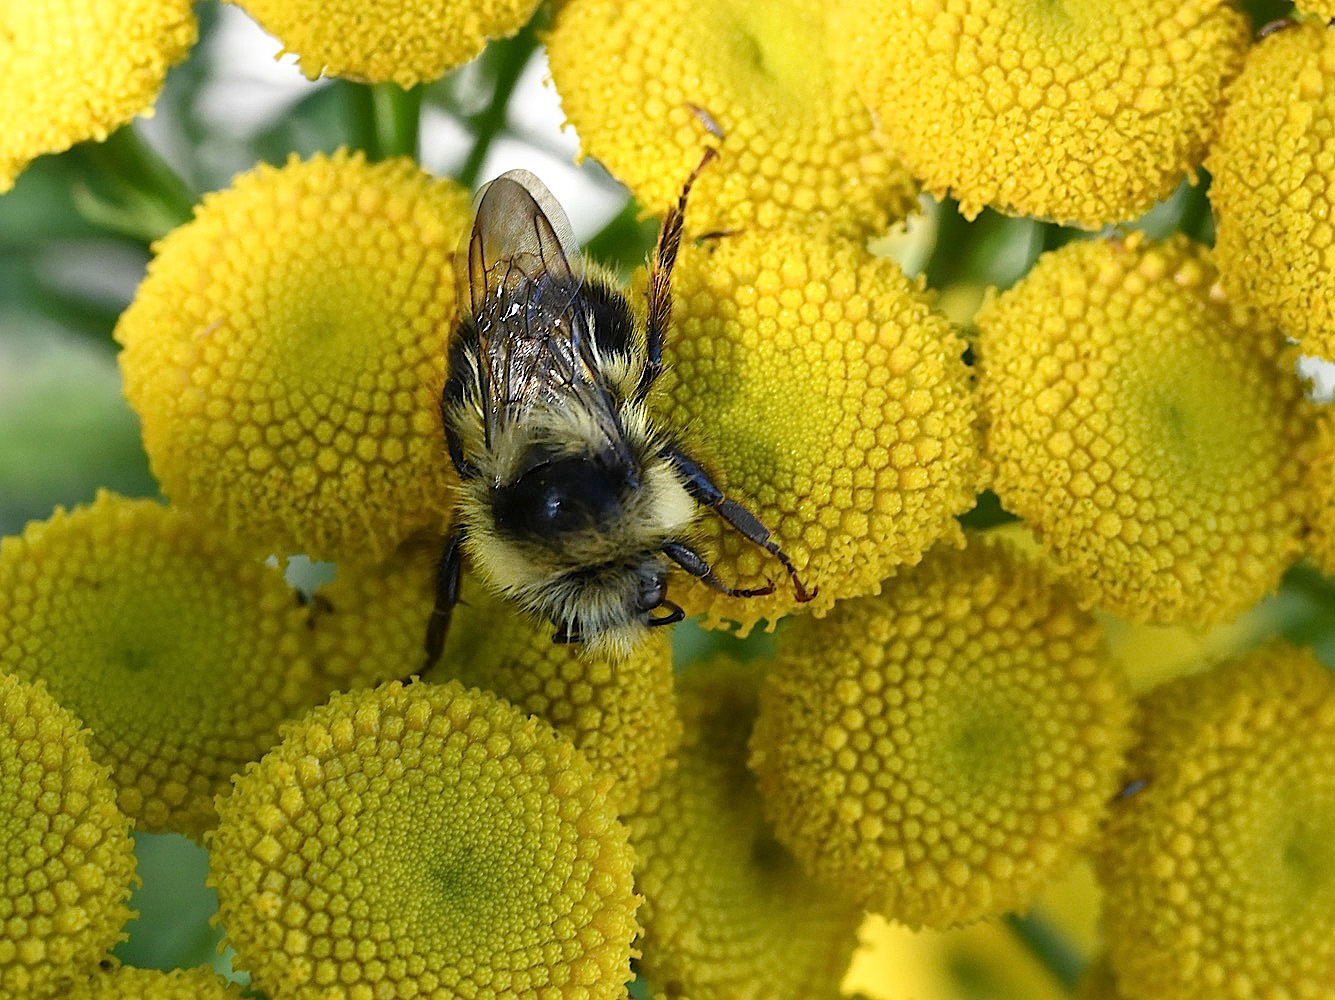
[573,501]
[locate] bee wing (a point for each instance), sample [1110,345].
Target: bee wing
[524,281]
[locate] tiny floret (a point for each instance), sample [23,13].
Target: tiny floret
[126,983]
[1218,866]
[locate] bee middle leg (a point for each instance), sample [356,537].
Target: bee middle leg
[696,564]
[705,491]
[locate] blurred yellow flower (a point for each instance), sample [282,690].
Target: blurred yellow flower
[66,858]
[79,69]
[1274,184]
[1082,113]
[404,41]
[728,912]
[425,841]
[1146,428]
[181,654]
[1219,867]
[798,141]
[286,354]
[833,401]
[940,752]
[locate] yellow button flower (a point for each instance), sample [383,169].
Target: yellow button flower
[727,911]
[66,858]
[179,653]
[1146,428]
[941,751]
[1319,484]
[1219,867]
[798,139]
[78,69]
[425,841]
[1274,184]
[831,400]
[404,41]
[1085,113]
[286,353]
[125,983]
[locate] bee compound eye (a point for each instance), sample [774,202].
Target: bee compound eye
[653,586]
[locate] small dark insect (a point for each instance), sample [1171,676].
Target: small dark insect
[573,500]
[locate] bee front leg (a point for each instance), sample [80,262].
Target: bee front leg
[696,564]
[448,574]
[705,491]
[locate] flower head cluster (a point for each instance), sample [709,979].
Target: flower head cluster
[1219,869]
[284,355]
[407,42]
[425,841]
[1319,486]
[835,404]
[639,79]
[1146,428]
[78,69]
[1274,184]
[728,912]
[126,983]
[66,859]
[1082,113]
[181,654]
[939,751]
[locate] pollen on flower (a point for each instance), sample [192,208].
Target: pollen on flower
[728,912]
[1273,193]
[798,139]
[1082,113]
[66,858]
[437,842]
[1219,869]
[285,356]
[181,654]
[79,69]
[126,983]
[408,42]
[940,751]
[1146,428]
[831,400]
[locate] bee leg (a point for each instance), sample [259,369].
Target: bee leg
[448,573]
[674,615]
[705,491]
[696,564]
[660,281]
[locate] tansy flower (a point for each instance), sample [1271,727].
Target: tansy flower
[1319,484]
[66,858]
[727,911]
[286,352]
[125,983]
[1219,866]
[1082,113]
[404,41]
[1274,184]
[637,80]
[181,654]
[425,841]
[831,401]
[618,711]
[79,69]
[1146,428]
[940,751]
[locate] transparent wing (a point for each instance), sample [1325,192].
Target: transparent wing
[524,281]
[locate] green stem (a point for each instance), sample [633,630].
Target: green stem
[1047,944]
[125,187]
[385,119]
[508,59]
[947,256]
